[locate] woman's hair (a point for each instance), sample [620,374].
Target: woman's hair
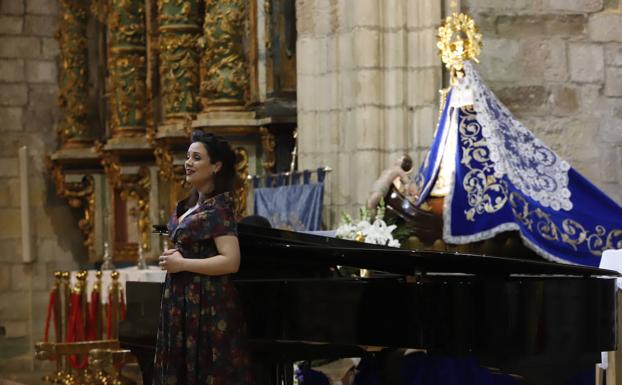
[218,150]
[256,220]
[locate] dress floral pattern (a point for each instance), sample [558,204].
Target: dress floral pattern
[201,337]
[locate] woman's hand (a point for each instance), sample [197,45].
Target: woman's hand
[172,261]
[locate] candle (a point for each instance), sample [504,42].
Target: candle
[24,189]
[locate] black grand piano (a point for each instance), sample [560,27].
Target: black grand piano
[540,320]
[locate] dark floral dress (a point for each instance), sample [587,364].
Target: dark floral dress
[201,338]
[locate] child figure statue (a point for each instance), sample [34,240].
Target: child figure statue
[397,174]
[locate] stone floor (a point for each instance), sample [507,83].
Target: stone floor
[22,379]
[130,372]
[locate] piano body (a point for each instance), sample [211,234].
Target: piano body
[532,318]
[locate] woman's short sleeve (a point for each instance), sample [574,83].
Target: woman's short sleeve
[223,221]
[213,219]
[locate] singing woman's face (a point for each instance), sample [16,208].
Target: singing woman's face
[200,170]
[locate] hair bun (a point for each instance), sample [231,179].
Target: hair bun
[201,136]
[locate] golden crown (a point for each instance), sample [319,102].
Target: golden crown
[458,40]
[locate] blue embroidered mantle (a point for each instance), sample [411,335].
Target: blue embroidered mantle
[504,179]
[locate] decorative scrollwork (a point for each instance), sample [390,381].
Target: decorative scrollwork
[573,233]
[127,93]
[485,192]
[242,183]
[110,162]
[488,192]
[530,165]
[570,231]
[179,67]
[179,71]
[106,364]
[128,67]
[126,23]
[268,143]
[168,169]
[164,161]
[79,195]
[224,67]
[73,84]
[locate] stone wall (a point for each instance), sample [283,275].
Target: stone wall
[368,76]
[557,64]
[28,112]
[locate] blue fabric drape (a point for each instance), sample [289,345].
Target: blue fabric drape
[428,170]
[424,369]
[292,207]
[483,203]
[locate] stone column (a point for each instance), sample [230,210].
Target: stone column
[364,129]
[368,76]
[224,65]
[424,74]
[179,27]
[73,129]
[128,66]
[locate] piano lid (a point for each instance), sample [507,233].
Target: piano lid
[286,248]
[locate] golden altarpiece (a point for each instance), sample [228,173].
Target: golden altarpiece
[137,76]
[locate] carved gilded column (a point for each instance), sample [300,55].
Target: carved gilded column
[268,144]
[242,184]
[180,30]
[224,65]
[169,170]
[73,84]
[127,65]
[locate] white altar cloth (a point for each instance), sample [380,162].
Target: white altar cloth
[152,274]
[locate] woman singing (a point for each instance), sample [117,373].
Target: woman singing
[201,336]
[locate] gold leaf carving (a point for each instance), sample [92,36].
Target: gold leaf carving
[241,187]
[458,40]
[127,66]
[224,67]
[168,170]
[79,195]
[268,143]
[73,84]
[180,30]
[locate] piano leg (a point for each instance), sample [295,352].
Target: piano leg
[144,355]
[286,373]
[389,365]
[267,371]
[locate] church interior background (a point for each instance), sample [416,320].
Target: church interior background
[103,95]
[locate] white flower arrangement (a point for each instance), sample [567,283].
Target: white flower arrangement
[376,232]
